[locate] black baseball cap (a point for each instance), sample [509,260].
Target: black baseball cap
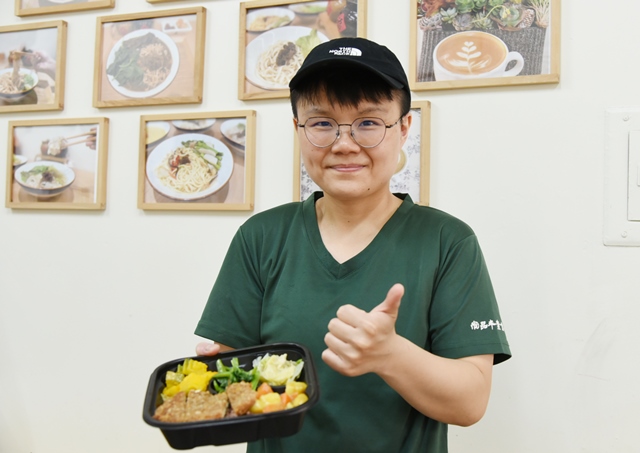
[358,52]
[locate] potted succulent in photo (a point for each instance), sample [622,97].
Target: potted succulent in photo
[462,15]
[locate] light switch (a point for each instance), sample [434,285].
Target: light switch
[622,177]
[633,199]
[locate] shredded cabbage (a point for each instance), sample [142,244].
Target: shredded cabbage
[277,370]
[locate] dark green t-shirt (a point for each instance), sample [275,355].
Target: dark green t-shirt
[278,283]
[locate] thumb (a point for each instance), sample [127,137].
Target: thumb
[207,349]
[391,304]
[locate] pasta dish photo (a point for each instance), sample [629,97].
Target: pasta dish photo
[187,169]
[280,62]
[189,166]
[275,56]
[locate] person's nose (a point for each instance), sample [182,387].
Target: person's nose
[344,141]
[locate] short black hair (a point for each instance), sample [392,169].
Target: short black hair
[347,86]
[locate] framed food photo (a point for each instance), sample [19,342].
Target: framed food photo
[150,58]
[197,162]
[276,36]
[480,43]
[35,7]
[412,174]
[32,65]
[57,164]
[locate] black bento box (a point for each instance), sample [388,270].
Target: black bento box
[245,428]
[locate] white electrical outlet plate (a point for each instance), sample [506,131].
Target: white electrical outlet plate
[622,177]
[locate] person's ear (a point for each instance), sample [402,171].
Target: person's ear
[405,126]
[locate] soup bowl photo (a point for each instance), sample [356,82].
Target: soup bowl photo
[32,179]
[28,77]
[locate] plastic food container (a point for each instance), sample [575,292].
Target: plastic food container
[244,428]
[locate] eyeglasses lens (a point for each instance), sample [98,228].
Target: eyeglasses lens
[366,132]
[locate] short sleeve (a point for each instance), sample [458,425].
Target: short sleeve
[464,314]
[232,313]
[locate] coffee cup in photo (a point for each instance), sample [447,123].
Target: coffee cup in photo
[474,54]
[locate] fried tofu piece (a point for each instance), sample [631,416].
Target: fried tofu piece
[205,406]
[195,406]
[201,405]
[241,397]
[173,410]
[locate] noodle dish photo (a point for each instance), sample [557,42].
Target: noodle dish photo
[44,178]
[142,63]
[14,84]
[275,56]
[189,166]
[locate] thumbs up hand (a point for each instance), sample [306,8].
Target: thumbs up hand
[359,342]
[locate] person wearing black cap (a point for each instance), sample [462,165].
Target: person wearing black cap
[395,298]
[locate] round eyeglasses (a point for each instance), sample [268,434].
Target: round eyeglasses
[366,132]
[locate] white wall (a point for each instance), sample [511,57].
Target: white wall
[91,303]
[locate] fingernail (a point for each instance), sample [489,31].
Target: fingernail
[208,348]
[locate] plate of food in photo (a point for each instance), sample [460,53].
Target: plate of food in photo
[189,166]
[19,159]
[194,125]
[263,19]
[273,58]
[142,63]
[261,392]
[156,131]
[44,178]
[309,7]
[235,130]
[19,85]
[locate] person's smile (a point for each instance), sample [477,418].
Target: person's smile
[347,168]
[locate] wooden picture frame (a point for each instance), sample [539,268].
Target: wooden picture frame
[36,7]
[264,23]
[495,43]
[57,164]
[39,52]
[173,73]
[161,186]
[413,173]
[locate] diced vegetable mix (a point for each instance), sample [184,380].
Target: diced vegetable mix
[269,401]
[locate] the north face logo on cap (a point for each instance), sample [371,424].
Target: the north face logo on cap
[352,51]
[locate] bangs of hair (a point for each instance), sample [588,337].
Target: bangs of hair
[346,87]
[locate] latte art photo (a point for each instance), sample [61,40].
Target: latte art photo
[485,43]
[474,54]
[471,57]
